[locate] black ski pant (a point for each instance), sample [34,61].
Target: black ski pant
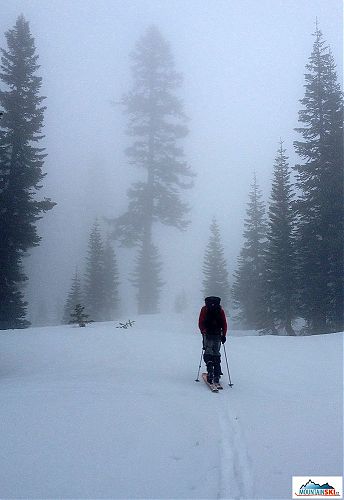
[212,355]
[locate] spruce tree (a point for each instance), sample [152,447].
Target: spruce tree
[280,261]
[156,126]
[248,288]
[94,279]
[21,168]
[111,283]
[320,181]
[215,272]
[147,278]
[74,298]
[79,317]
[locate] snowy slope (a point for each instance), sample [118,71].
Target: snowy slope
[101,412]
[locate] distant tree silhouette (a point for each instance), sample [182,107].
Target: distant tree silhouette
[215,281]
[146,278]
[74,298]
[248,290]
[94,279]
[156,125]
[101,280]
[111,283]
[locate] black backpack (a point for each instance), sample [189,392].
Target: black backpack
[213,318]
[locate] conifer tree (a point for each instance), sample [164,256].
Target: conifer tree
[74,298]
[156,125]
[21,168]
[320,181]
[280,261]
[94,279]
[146,278]
[111,283]
[248,288]
[215,272]
[78,316]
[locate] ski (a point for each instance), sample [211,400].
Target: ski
[212,387]
[218,385]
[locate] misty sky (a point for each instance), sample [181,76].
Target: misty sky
[243,63]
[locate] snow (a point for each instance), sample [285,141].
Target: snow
[103,412]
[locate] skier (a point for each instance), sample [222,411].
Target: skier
[213,326]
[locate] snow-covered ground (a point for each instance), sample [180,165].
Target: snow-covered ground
[101,412]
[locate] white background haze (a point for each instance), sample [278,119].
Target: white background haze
[243,64]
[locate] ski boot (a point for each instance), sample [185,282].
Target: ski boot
[217,373]
[210,370]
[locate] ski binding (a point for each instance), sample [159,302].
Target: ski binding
[212,387]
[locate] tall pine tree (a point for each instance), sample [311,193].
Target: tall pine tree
[248,287]
[215,272]
[280,261]
[156,125]
[320,181]
[21,168]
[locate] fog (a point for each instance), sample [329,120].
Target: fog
[243,63]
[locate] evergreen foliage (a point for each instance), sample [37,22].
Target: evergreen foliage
[21,164]
[215,281]
[156,125]
[101,278]
[248,289]
[280,261]
[78,316]
[126,325]
[74,298]
[94,279]
[320,181]
[146,278]
[111,283]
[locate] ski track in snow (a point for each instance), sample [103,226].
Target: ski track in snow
[235,464]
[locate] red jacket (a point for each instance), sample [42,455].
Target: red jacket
[202,316]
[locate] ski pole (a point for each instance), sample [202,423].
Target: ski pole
[229,377]
[200,362]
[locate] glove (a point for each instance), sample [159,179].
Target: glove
[223,339]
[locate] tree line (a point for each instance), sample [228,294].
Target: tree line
[291,263]
[97,290]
